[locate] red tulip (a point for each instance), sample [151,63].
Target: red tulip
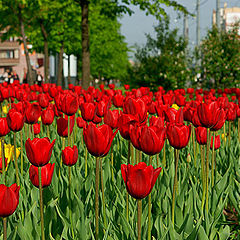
[217,142]
[98,139]
[118,100]
[201,135]
[4,129]
[195,119]
[126,86]
[69,103]
[9,199]
[70,155]
[39,150]
[36,128]
[87,111]
[101,108]
[33,112]
[137,108]
[111,118]
[220,118]
[15,120]
[43,100]
[139,179]
[46,174]
[47,116]
[19,107]
[150,140]
[124,122]
[231,114]
[62,126]
[156,121]
[180,100]
[178,135]
[81,123]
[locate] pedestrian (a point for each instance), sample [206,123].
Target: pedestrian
[39,78]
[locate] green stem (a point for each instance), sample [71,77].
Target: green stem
[4,228]
[15,159]
[207,165]
[213,150]
[103,199]
[139,216]
[229,133]
[70,200]
[41,202]
[239,129]
[203,175]
[86,156]
[132,153]
[21,145]
[164,155]
[176,151]
[194,146]
[48,133]
[96,199]
[3,162]
[149,207]
[128,162]
[112,162]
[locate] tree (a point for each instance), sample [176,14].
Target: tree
[221,58]
[153,7]
[162,61]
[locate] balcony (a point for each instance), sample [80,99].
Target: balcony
[8,62]
[9,45]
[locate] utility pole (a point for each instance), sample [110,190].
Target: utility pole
[185,27]
[218,14]
[198,23]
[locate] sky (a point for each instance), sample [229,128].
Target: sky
[135,27]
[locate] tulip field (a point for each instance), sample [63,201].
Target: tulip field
[110,164]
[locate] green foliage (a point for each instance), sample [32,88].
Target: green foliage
[162,61]
[220,52]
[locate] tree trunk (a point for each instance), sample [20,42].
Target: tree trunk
[69,75]
[29,75]
[46,56]
[60,67]
[85,45]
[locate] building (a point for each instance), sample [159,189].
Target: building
[12,56]
[228,17]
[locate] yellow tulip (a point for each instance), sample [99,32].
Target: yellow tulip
[5,109]
[39,119]
[175,106]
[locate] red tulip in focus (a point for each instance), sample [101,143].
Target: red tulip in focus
[87,111]
[150,140]
[139,179]
[46,174]
[201,135]
[9,199]
[4,129]
[124,123]
[39,150]
[217,142]
[178,135]
[117,100]
[43,100]
[62,126]
[33,112]
[15,120]
[98,139]
[220,118]
[111,118]
[70,155]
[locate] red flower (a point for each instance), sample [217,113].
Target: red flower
[1,163]
[111,118]
[33,112]
[15,120]
[39,150]
[36,128]
[150,140]
[43,100]
[180,100]
[4,129]
[98,140]
[156,121]
[178,135]
[9,199]
[126,86]
[117,100]
[69,103]
[87,111]
[46,174]
[201,135]
[70,155]
[81,123]
[139,179]
[47,116]
[217,142]
[220,118]
[62,126]
[124,122]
